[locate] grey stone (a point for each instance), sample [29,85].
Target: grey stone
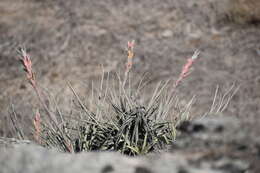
[30,158]
[211,145]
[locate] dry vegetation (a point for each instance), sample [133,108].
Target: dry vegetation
[115,117]
[69,40]
[245,11]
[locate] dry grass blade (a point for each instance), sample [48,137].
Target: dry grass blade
[15,123]
[220,102]
[81,104]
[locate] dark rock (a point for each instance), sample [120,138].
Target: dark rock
[142,170]
[107,169]
[188,127]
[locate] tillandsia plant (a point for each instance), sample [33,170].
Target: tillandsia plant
[51,121]
[114,118]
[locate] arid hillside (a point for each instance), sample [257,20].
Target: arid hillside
[69,40]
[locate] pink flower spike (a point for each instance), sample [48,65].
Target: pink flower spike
[27,66]
[130,44]
[37,126]
[186,68]
[189,63]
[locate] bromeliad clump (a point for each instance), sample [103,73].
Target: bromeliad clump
[114,118]
[133,132]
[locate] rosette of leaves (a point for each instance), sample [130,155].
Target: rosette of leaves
[133,129]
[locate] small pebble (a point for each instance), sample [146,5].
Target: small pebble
[167,33]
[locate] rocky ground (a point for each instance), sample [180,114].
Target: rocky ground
[212,145]
[68,40]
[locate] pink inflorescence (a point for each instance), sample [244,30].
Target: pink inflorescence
[27,66]
[186,68]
